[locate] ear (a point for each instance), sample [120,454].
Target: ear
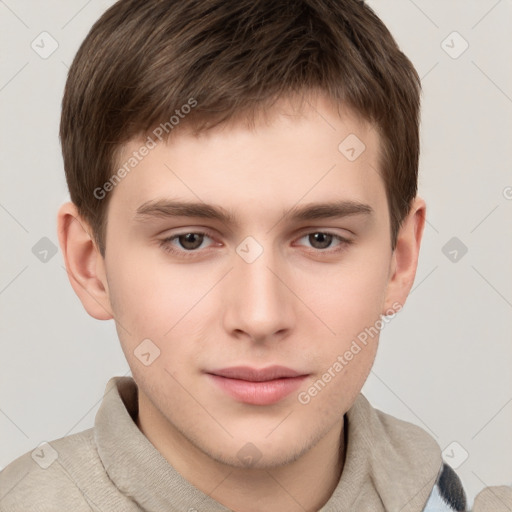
[404,260]
[84,263]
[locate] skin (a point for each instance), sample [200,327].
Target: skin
[299,304]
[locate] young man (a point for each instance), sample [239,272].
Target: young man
[243,178]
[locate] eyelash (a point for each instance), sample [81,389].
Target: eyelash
[165,243]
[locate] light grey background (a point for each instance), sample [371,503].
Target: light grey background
[444,363]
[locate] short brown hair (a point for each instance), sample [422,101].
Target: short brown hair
[144,59]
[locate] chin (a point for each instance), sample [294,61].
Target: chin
[257,452]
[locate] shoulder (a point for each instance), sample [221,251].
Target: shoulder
[408,447]
[66,472]
[494,499]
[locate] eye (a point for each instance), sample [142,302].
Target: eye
[322,240]
[188,242]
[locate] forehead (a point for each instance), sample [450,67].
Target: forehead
[287,157]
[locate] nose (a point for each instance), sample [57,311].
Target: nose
[259,304]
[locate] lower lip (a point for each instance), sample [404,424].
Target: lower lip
[258,393]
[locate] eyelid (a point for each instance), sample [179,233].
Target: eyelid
[346,233]
[343,241]
[166,245]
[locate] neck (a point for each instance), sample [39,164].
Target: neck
[305,484]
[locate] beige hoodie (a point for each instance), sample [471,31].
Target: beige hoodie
[390,465]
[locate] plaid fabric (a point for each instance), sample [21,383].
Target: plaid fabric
[448,494]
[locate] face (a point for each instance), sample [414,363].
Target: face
[246,327]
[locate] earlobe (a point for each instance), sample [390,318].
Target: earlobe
[84,264]
[405,256]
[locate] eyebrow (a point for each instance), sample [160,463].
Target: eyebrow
[164,208]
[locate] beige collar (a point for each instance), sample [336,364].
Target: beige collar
[389,465]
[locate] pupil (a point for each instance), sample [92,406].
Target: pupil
[322,239]
[187,241]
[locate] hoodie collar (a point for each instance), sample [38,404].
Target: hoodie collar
[389,464]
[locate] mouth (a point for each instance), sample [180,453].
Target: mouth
[254,386]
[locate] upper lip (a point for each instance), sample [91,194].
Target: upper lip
[255,374]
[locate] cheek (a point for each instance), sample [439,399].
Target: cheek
[166,304]
[346,298]
[163,302]
[146,300]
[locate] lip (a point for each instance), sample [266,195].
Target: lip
[254,386]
